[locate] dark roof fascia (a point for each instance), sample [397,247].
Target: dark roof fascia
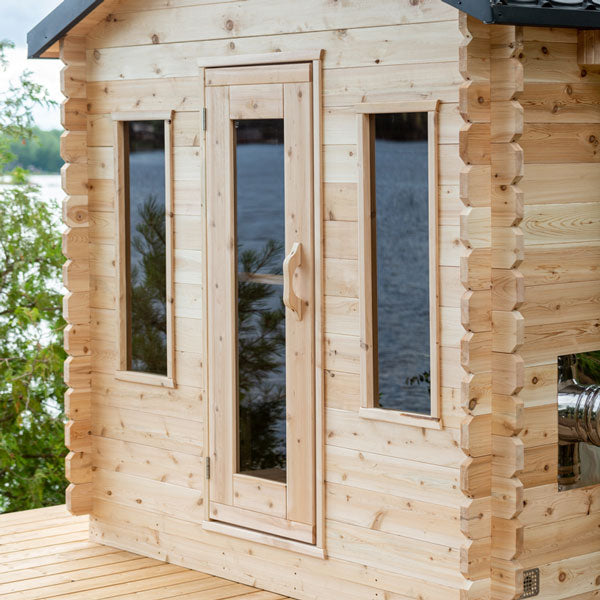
[546,16]
[507,12]
[57,24]
[480,9]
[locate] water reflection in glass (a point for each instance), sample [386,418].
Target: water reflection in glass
[261,314]
[402,190]
[146,247]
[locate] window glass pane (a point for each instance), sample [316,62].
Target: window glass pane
[261,315]
[402,273]
[146,248]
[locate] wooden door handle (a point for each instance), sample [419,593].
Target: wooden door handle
[292,261]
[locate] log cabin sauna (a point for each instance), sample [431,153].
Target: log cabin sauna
[330,265]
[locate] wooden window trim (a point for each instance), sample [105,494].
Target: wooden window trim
[268,58]
[369,408]
[122,373]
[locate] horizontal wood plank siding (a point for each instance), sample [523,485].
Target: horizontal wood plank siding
[387,485]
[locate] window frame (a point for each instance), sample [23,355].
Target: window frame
[366,221]
[123,343]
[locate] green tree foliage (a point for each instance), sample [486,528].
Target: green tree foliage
[31,356]
[149,291]
[40,154]
[261,350]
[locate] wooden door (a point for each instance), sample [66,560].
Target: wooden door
[261,298]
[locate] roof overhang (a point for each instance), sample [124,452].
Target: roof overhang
[57,24]
[580,14]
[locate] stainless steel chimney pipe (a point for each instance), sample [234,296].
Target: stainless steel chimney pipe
[578,410]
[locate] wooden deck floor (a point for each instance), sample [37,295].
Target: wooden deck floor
[45,554]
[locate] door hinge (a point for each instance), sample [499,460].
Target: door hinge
[204,119]
[207,463]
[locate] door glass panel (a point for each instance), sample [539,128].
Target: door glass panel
[260,222]
[402,256]
[146,248]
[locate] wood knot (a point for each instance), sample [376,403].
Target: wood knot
[472,404]
[155,39]
[480,99]
[229,24]
[544,50]
[562,576]
[535,381]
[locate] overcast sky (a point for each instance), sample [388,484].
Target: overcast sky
[17,17]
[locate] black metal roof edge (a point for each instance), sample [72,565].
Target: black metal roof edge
[546,16]
[57,24]
[505,12]
[480,9]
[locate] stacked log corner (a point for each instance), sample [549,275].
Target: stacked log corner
[76,277]
[506,73]
[494,291]
[475,271]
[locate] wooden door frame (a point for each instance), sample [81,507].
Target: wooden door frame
[313,57]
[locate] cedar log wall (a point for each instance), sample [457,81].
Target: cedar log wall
[408,510]
[544,230]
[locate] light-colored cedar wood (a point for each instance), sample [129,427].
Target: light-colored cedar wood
[76,303]
[75,211]
[262,521]
[73,146]
[249,494]
[289,73]
[300,490]
[221,276]
[78,467]
[73,114]
[347,430]
[300,402]
[359,47]
[121,178]
[149,462]
[77,405]
[366,250]
[256,101]
[475,431]
[77,436]
[394,514]
[79,498]
[161,431]
[247,20]
[257,74]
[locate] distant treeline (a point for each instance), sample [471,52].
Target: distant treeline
[40,154]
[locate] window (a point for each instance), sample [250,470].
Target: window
[260,222]
[398,228]
[144,253]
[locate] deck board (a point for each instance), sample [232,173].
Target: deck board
[45,554]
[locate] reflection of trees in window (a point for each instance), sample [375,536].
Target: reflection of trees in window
[148,290]
[261,363]
[587,366]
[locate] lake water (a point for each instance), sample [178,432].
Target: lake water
[50,187]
